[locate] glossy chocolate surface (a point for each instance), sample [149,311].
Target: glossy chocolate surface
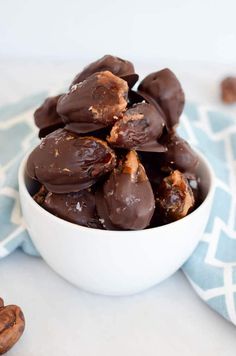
[65,162]
[179,155]
[126,200]
[164,87]
[118,66]
[94,103]
[46,117]
[78,208]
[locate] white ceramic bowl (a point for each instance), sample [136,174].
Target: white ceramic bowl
[114,262]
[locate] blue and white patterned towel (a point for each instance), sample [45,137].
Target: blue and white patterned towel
[212,268]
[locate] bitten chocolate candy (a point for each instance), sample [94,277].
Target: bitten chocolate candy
[164,87]
[139,128]
[174,198]
[228,90]
[78,208]
[94,103]
[65,162]
[179,155]
[118,66]
[46,117]
[126,200]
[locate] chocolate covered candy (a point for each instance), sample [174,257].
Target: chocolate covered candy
[78,208]
[118,66]
[164,87]
[139,129]
[228,90]
[65,162]
[46,117]
[174,197]
[94,103]
[126,200]
[179,155]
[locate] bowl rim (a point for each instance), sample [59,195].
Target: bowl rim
[22,185]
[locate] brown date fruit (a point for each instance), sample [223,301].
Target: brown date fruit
[39,197]
[65,162]
[12,325]
[228,90]
[174,197]
[140,128]
[164,87]
[95,103]
[126,200]
[46,117]
[118,66]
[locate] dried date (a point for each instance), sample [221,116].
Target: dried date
[12,325]
[164,87]
[65,162]
[93,104]
[140,128]
[126,200]
[174,198]
[118,66]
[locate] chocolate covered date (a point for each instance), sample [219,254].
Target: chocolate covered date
[118,66]
[126,200]
[78,208]
[95,103]
[12,325]
[174,197]
[65,162]
[139,129]
[46,117]
[164,87]
[179,155]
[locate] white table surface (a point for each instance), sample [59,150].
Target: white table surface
[166,320]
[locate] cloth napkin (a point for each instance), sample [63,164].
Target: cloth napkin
[211,269]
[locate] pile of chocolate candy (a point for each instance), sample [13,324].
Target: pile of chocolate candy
[110,157]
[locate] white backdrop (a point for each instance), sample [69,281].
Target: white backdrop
[142,29]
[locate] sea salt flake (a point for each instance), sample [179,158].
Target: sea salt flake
[79,207]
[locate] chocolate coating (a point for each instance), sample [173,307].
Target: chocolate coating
[139,129]
[118,66]
[78,208]
[174,197]
[46,117]
[126,200]
[164,87]
[94,103]
[228,90]
[65,162]
[179,155]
